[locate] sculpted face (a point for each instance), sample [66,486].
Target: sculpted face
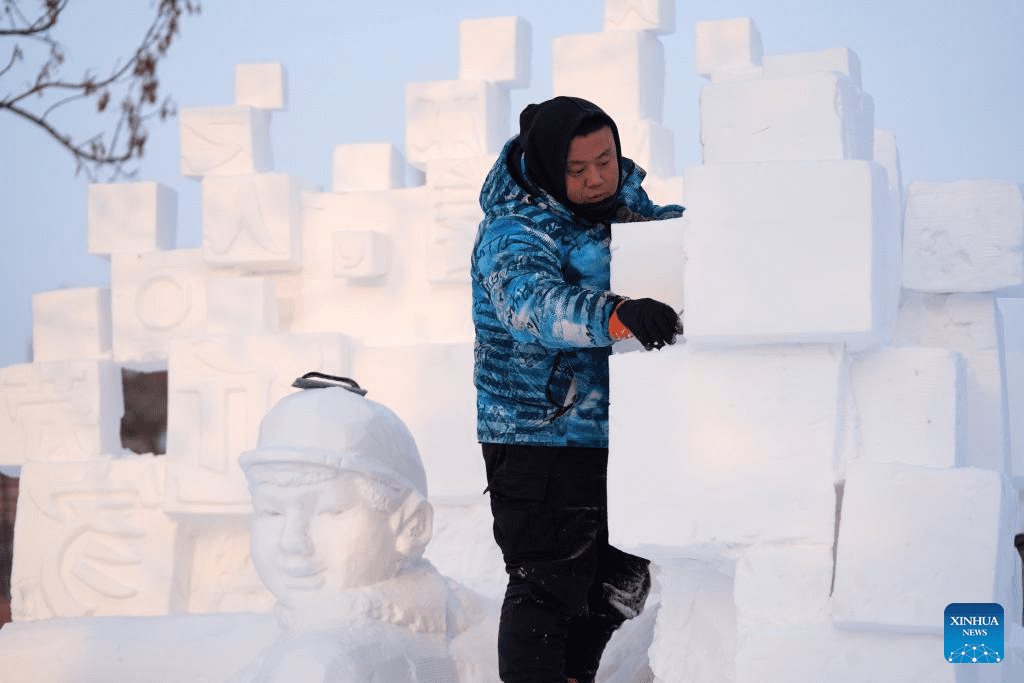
[592,169]
[312,540]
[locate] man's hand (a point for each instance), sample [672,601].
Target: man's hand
[653,323]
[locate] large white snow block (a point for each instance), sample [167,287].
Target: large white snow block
[839,59]
[69,324]
[650,144]
[463,547]
[911,406]
[913,539]
[224,141]
[732,445]
[367,166]
[695,632]
[783,585]
[92,539]
[60,411]
[797,118]
[241,305]
[656,16]
[445,424]
[220,387]
[795,654]
[495,49]
[971,325]
[252,220]
[264,86]
[155,296]
[131,217]
[453,119]
[789,252]
[623,72]
[965,236]
[648,260]
[728,48]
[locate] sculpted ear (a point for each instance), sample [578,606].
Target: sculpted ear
[413,523]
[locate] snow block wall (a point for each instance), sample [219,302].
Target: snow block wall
[827,461]
[838,414]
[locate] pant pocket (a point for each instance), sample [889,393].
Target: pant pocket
[522,518]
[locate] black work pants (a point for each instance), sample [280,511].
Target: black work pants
[568,589]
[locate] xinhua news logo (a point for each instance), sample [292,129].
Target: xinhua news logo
[974,633]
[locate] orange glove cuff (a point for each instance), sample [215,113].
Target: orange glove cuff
[616,330]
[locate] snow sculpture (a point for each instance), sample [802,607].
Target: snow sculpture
[340,523]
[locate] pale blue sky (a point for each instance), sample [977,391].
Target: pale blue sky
[947,76]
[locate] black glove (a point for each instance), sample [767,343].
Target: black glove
[653,323]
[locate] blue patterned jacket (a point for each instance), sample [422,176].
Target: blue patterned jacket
[541,305]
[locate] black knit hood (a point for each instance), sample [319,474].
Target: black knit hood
[546,131]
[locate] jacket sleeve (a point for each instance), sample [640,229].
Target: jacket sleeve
[519,268]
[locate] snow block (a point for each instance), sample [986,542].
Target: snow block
[69,324]
[240,305]
[971,325]
[789,252]
[92,540]
[650,144]
[728,49]
[361,255]
[911,406]
[60,411]
[453,119]
[623,72]
[462,547]
[495,49]
[821,653]
[214,561]
[842,60]
[263,86]
[445,425]
[656,16]
[1012,312]
[253,220]
[224,141]
[648,260]
[733,446]
[911,539]
[695,632]
[455,198]
[367,166]
[219,389]
[783,585]
[156,296]
[965,236]
[131,217]
[664,191]
[398,310]
[798,118]
[887,154]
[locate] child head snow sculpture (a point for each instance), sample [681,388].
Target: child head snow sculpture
[339,499]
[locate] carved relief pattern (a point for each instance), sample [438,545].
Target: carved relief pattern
[108,545]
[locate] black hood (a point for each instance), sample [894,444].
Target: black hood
[546,131]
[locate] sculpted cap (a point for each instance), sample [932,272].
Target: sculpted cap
[338,429]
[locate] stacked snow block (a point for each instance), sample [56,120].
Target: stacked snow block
[622,70]
[820,418]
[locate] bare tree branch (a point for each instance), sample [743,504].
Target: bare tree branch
[134,83]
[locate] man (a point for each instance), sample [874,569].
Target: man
[545,321]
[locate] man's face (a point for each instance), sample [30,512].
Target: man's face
[592,169]
[310,541]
